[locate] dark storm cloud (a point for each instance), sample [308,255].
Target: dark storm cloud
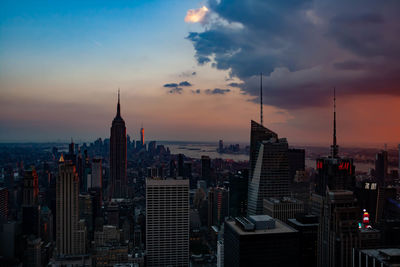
[216,91]
[238,85]
[175,89]
[185,83]
[170,85]
[304,47]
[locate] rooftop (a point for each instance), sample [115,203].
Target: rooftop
[280,228]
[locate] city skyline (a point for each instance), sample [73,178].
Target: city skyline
[56,57]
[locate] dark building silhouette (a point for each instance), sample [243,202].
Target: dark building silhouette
[260,241]
[335,204]
[218,205]
[118,156]
[381,167]
[297,159]
[206,170]
[180,165]
[30,187]
[307,225]
[258,133]
[3,204]
[269,164]
[238,187]
[30,207]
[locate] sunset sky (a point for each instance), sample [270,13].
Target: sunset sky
[189,70]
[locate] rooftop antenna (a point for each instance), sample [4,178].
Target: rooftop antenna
[335,148]
[118,106]
[261,100]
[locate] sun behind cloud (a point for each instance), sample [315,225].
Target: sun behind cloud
[196,15]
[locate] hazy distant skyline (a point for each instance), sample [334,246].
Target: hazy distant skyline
[188,70]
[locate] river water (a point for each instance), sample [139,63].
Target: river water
[197,150]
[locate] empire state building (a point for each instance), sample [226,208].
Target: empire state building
[118,156]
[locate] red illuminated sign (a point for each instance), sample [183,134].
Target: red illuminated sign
[344,166]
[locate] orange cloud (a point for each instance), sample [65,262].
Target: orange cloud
[196,15]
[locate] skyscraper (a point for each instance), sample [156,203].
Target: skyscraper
[334,172]
[258,133]
[67,217]
[167,222]
[30,207]
[260,241]
[97,174]
[334,203]
[118,161]
[142,136]
[3,204]
[381,167]
[218,198]
[338,231]
[31,187]
[269,165]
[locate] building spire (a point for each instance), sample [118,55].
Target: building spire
[118,107]
[261,101]
[334,147]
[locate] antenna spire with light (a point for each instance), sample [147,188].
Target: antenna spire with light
[335,147]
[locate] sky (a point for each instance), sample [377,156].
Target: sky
[190,70]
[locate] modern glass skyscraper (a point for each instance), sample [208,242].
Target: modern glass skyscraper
[118,161]
[269,165]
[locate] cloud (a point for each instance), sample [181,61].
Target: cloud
[188,74]
[185,83]
[238,85]
[176,90]
[196,15]
[170,85]
[216,91]
[304,48]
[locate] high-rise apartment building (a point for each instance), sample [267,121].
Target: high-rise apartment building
[67,216]
[167,222]
[118,156]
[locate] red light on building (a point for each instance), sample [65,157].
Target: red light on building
[344,166]
[319,164]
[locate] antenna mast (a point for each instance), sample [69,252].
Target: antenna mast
[334,145]
[261,101]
